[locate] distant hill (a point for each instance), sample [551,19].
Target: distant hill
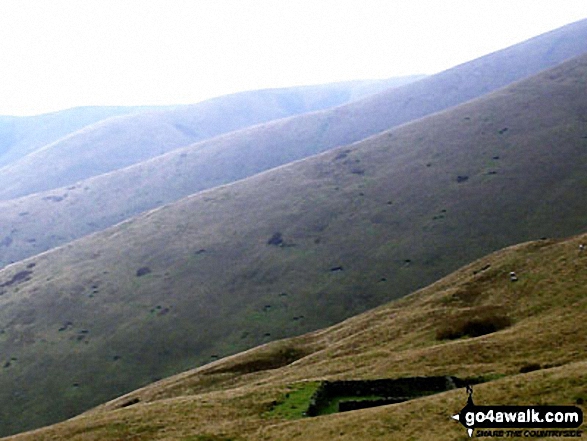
[102,201]
[291,250]
[84,149]
[21,135]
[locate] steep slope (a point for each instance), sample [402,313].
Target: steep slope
[538,358]
[293,249]
[120,195]
[119,142]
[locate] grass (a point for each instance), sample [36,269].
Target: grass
[223,401]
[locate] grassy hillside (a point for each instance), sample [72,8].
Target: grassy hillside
[85,207]
[120,142]
[538,358]
[291,250]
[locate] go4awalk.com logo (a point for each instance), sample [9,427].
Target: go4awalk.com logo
[520,421]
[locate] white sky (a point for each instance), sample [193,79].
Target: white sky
[56,54]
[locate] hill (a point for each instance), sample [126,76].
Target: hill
[291,250]
[121,141]
[21,135]
[535,355]
[97,203]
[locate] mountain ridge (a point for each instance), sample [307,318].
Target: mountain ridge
[239,154]
[524,59]
[122,140]
[20,135]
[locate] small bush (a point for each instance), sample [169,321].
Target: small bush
[273,357]
[529,368]
[21,276]
[143,271]
[276,239]
[130,402]
[482,323]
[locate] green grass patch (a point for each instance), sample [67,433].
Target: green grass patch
[294,403]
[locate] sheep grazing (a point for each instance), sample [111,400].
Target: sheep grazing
[513,276]
[581,248]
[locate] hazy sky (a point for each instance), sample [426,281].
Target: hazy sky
[63,53]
